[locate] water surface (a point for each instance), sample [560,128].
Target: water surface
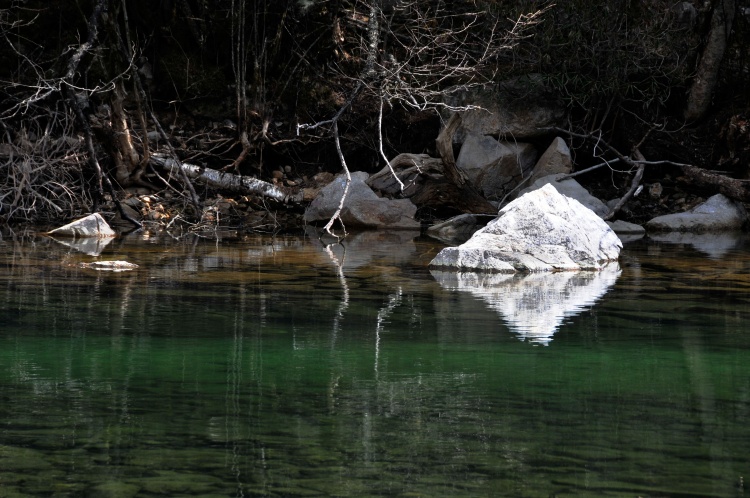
[277,366]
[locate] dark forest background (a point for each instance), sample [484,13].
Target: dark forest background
[90,90]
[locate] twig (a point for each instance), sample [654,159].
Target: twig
[633,187]
[587,170]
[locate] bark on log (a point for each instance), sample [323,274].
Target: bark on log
[227,181]
[738,190]
[469,200]
[407,167]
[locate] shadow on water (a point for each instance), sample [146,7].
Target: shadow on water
[280,366]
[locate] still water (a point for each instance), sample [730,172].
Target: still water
[277,366]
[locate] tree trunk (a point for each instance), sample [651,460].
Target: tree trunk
[469,200]
[706,77]
[125,157]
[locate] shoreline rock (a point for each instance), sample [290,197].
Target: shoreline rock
[93,226]
[362,208]
[718,213]
[543,230]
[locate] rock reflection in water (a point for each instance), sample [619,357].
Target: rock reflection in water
[534,305]
[92,246]
[714,245]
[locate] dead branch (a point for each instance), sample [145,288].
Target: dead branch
[186,181]
[226,181]
[633,187]
[402,171]
[471,201]
[337,214]
[733,188]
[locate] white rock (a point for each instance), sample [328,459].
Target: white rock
[115,266]
[540,231]
[92,225]
[93,246]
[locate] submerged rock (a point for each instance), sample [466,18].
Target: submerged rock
[716,214]
[363,207]
[540,231]
[109,265]
[92,225]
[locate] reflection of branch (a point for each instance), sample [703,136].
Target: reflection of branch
[393,301]
[344,287]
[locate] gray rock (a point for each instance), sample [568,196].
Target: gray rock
[495,167]
[555,160]
[92,225]
[362,207]
[627,232]
[716,214]
[573,189]
[625,228]
[540,231]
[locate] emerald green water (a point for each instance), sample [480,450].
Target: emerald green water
[273,366]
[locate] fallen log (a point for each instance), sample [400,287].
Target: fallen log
[227,181]
[739,190]
[407,168]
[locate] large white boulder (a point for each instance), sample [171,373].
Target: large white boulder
[540,231]
[362,206]
[717,213]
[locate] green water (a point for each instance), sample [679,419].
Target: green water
[271,366]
